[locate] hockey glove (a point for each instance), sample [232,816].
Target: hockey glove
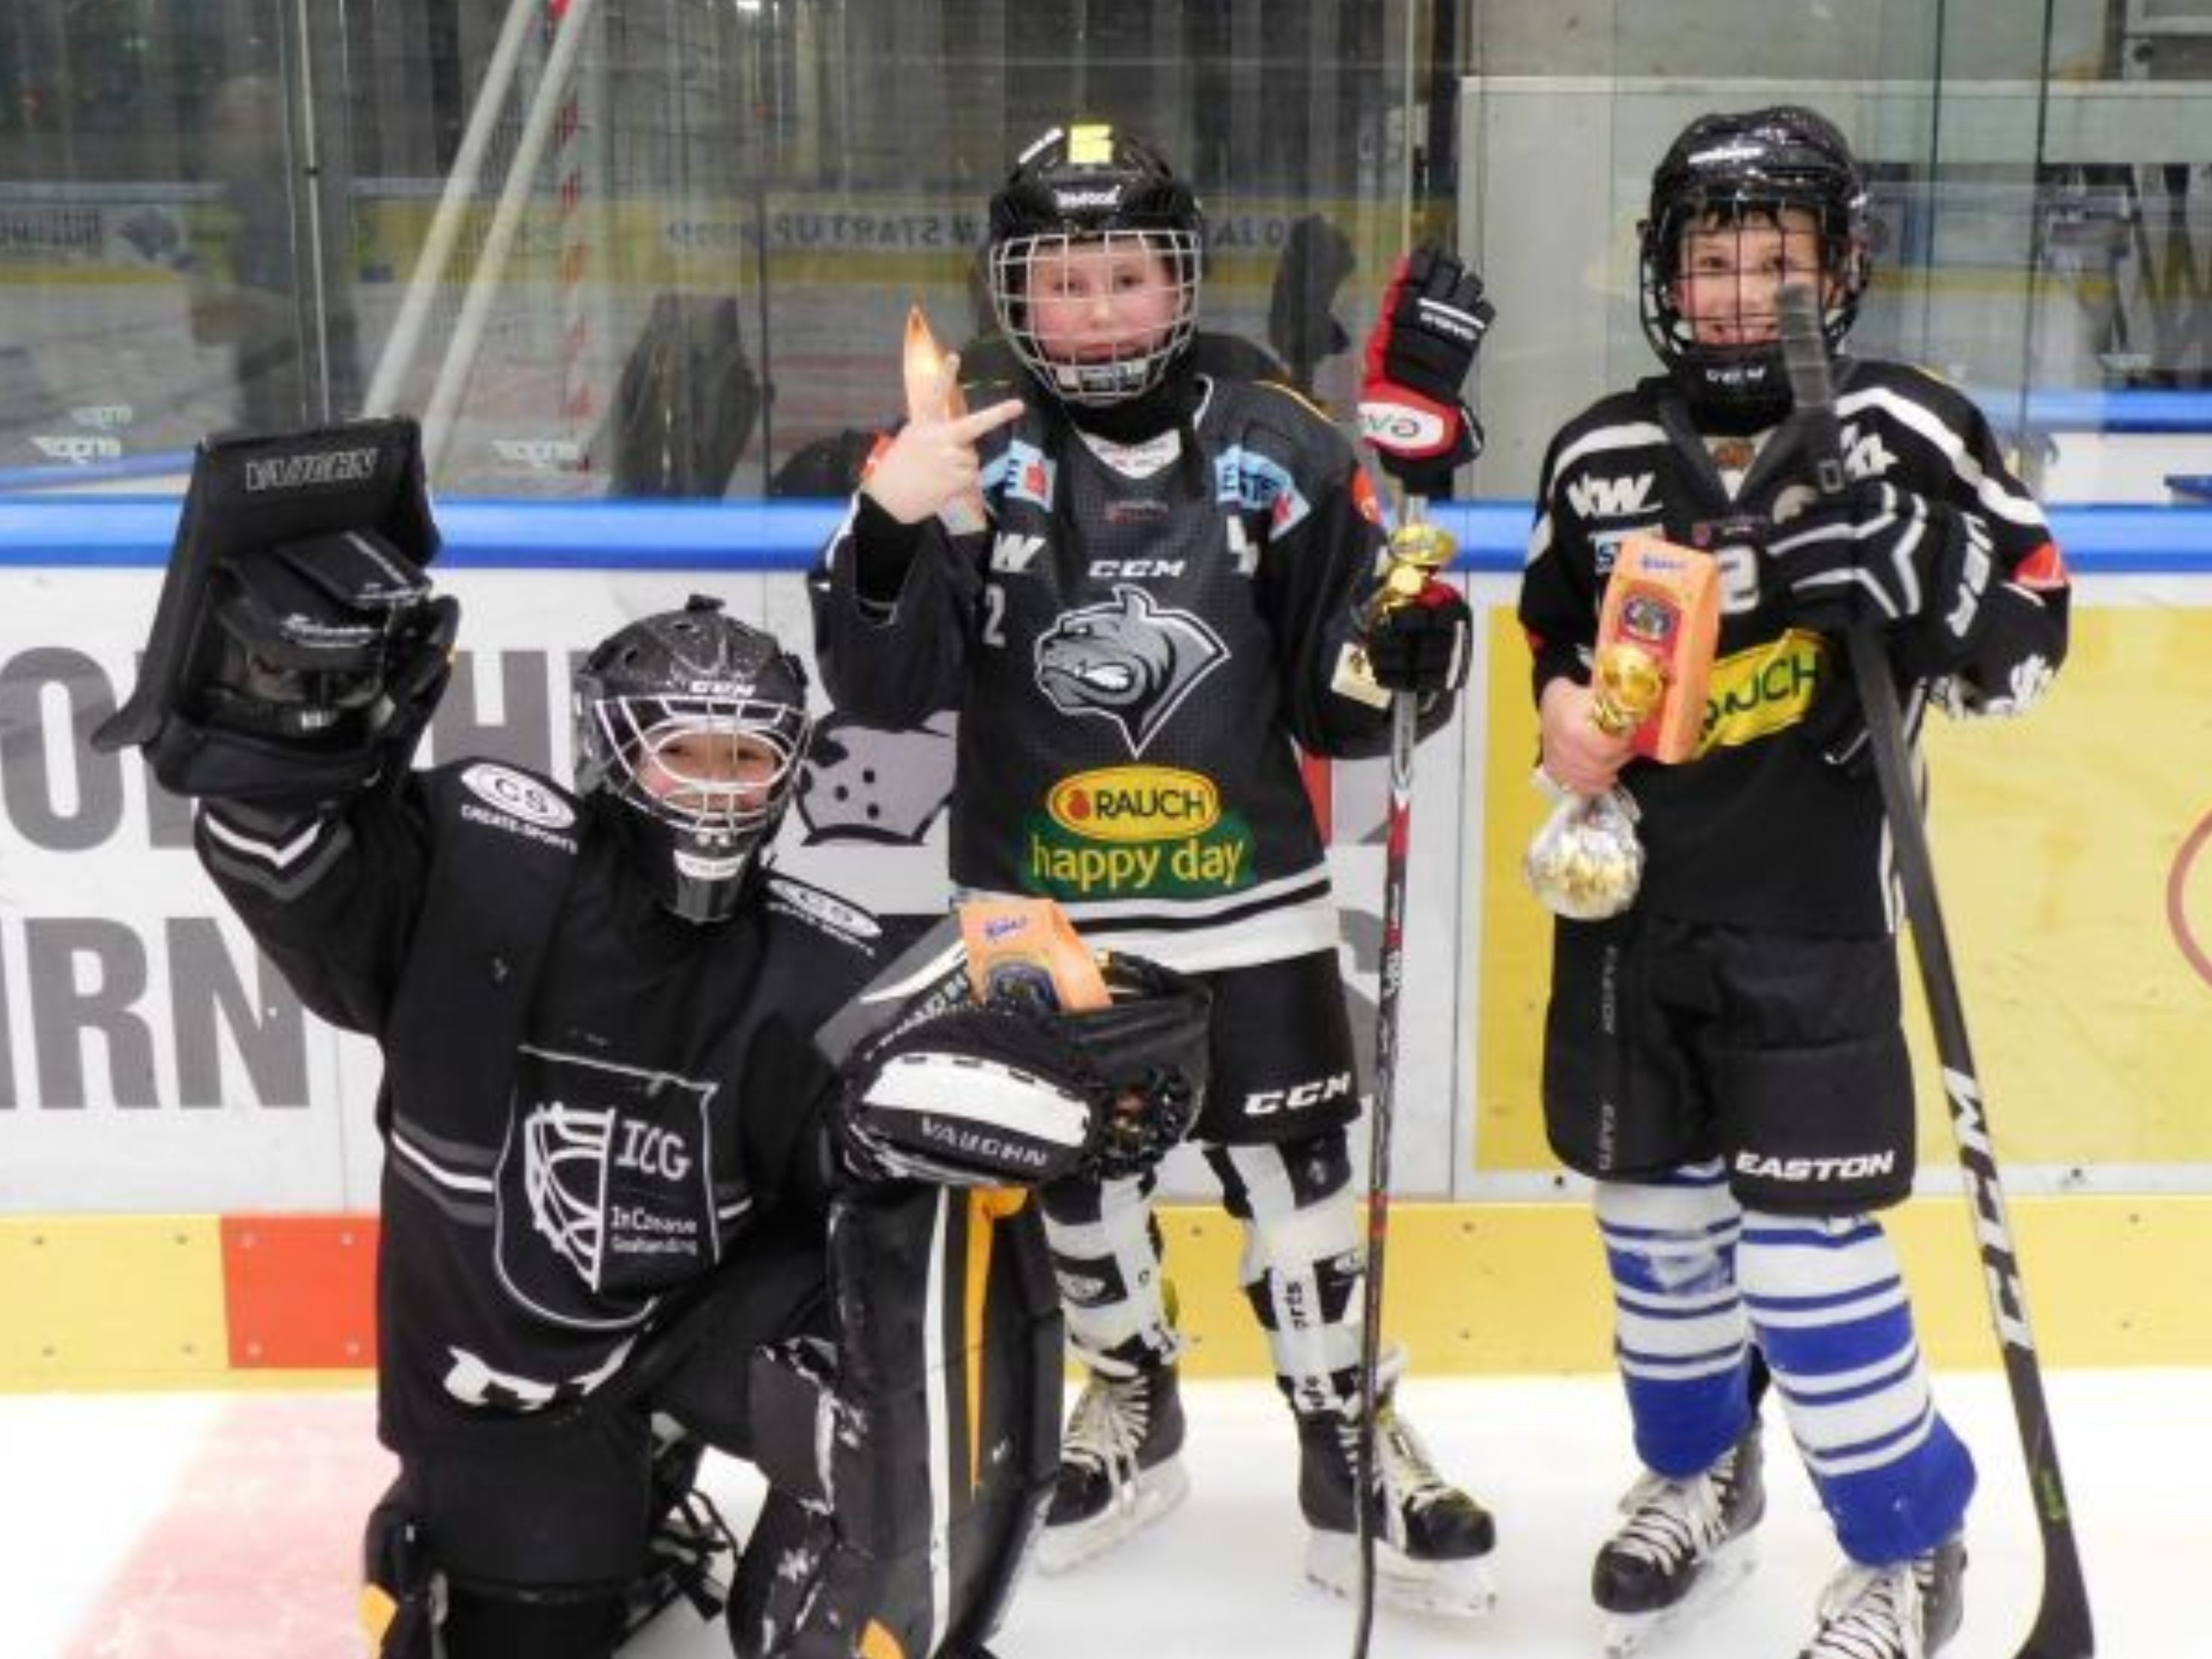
[1919,569]
[1421,645]
[1014,1092]
[1432,321]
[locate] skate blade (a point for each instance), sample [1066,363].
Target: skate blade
[1452,1589]
[1627,1633]
[1156,1491]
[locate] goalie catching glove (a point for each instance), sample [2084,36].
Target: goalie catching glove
[1016,1092]
[1432,321]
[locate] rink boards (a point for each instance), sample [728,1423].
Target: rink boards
[179,1142]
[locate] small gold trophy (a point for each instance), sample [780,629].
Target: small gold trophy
[1416,551]
[931,396]
[1656,633]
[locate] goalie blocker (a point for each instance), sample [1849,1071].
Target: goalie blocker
[296,650]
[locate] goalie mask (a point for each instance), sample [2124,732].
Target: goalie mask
[695,724]
[1739,174]
[1093,265]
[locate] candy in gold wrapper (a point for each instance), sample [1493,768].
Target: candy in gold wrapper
[1585,863]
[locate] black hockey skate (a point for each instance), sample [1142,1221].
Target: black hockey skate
[1121,1466]
[1906,1611]
[1684,1543]
[1432,1541]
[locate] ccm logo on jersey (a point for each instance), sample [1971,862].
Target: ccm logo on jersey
[1314,1091]
[1856,1167]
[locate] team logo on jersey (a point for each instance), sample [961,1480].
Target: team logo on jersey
[1131,661]
[1258,483]
[605,1188]
[1021,472]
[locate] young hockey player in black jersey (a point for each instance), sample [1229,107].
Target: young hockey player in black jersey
[668,1162]
[1166,603]
[1725,1058]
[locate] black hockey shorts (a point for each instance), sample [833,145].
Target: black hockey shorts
[1283,1066]
[1670,1042]
[560,1502]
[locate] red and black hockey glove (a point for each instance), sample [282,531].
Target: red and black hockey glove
[1431,325]
[1421,645]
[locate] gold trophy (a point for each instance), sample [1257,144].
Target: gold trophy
[931,396]
[1655,636]
[1417,550]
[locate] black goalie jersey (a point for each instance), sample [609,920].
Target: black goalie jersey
[588,1104]
[1136,648]
[1761,829]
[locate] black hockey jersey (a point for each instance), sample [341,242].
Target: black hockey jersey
[586,1102]
[1137,648]
[1760,830]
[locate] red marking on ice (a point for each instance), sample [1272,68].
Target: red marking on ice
[257,1554]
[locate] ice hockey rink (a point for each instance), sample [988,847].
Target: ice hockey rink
[224,1526]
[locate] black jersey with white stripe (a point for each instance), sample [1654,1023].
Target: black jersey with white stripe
[1138,647]
[1761,828]
[586,1103]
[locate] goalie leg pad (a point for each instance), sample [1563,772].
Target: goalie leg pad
[910,1474]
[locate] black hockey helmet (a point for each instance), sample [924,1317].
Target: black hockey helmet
[1728,167]
[695,723]
[1090,182]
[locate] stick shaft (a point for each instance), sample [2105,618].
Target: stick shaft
[2062,1628]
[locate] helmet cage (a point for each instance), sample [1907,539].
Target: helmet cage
[702,832]
[647,697]
[1084,184]
[1729,171]
[1106,371]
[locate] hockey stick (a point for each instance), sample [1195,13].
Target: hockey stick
[1415,546]
[2062,1628]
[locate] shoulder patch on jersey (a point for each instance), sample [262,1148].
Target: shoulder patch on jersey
[823,911]
[512,800]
